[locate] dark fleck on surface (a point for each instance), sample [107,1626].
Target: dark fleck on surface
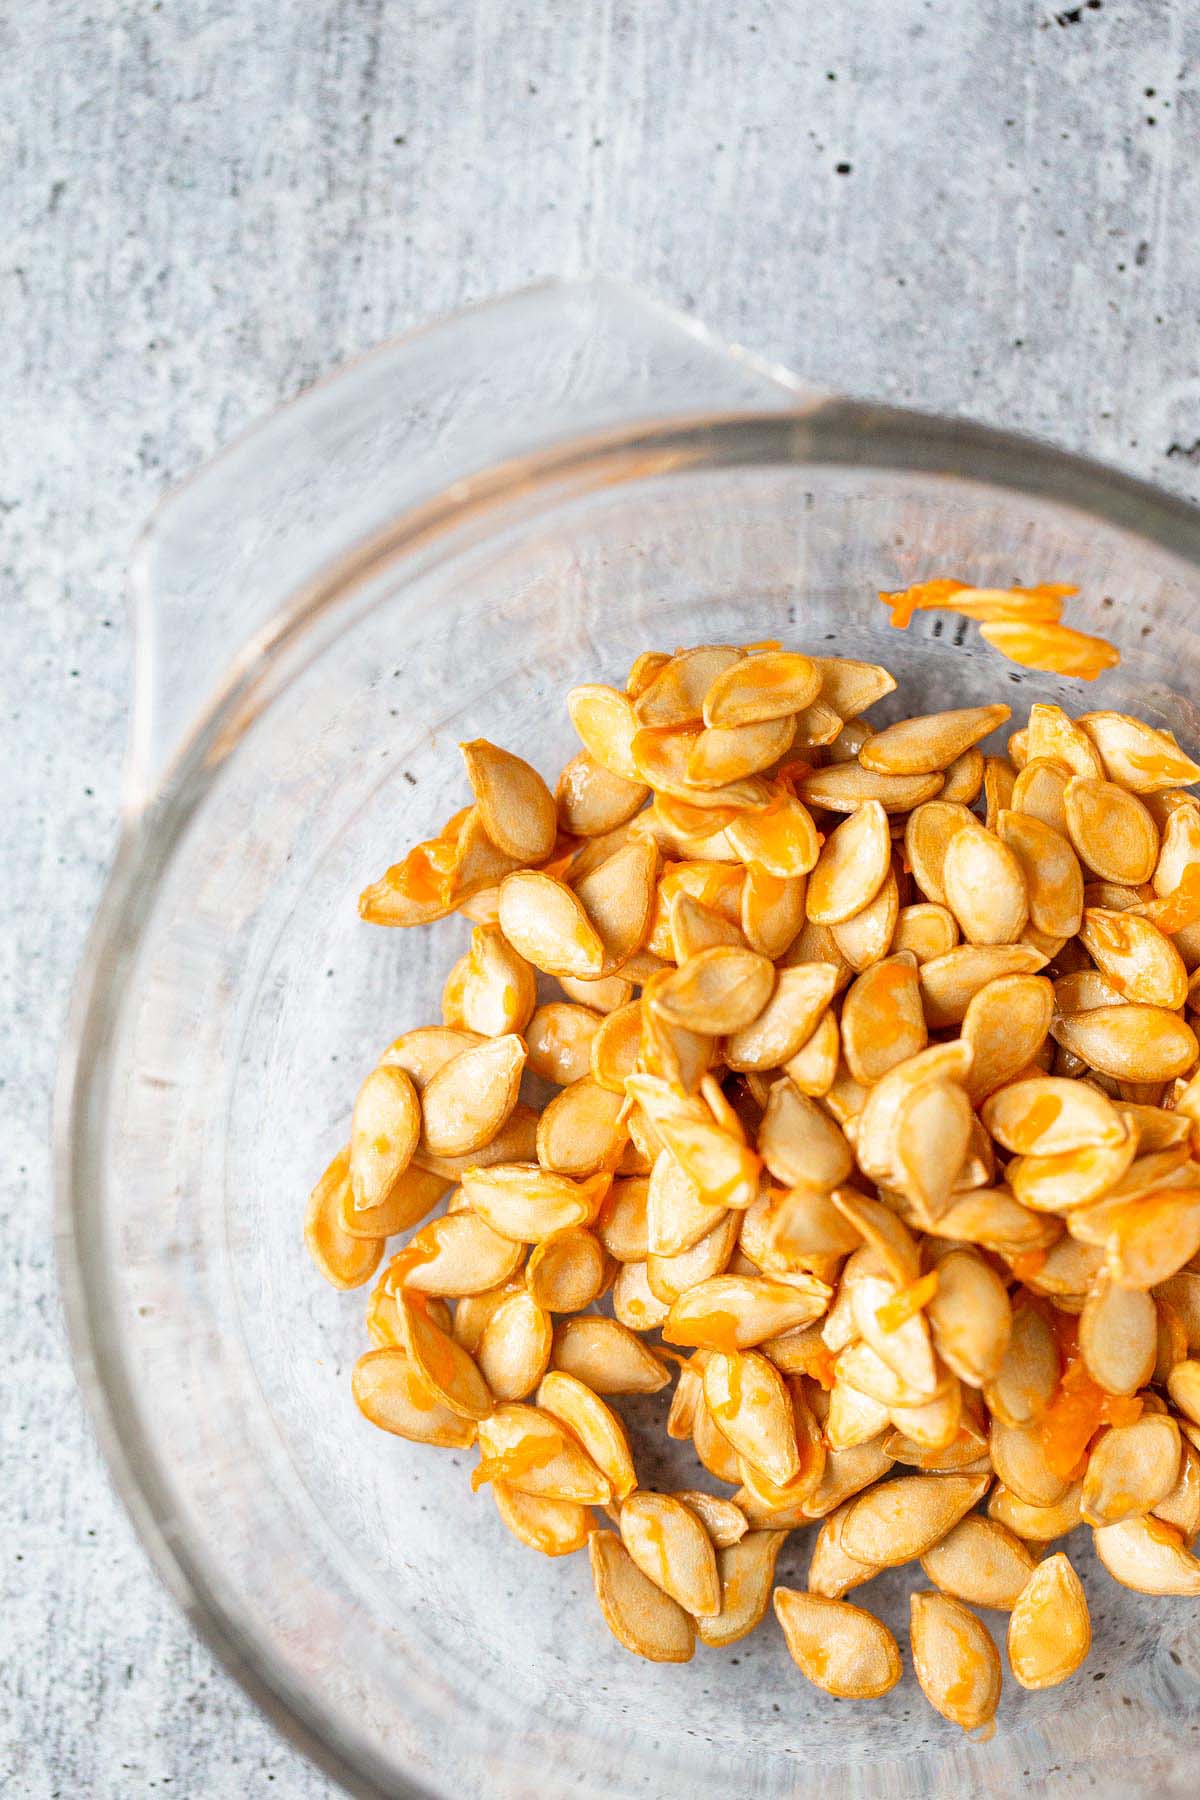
[1185,452]
[842,168]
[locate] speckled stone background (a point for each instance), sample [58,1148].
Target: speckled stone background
[992,208]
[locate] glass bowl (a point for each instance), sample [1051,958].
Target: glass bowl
[433,545]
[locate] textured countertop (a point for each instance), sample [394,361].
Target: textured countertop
[991,208]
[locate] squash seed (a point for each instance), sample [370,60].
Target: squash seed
[849,687]
[772,909]
[1053,737]
[1019,1458]
[1135,957]
[452,1376]
[390,1393]
[1137,756]
[954,1659]
[607,1357]
[1053,877]
[897,1521]
[950,982]
[853,1418]
[981,1562]
[750,1405]
[843,787]
[532,1451]
[724,1169]
[804,1223]
[1129,1042]
[926,930]
[813,1068]
[1112,832]
[781,836]
[1006,1025]
[1149,1556]
[852,867]
[514,1349]
[546,923]
[745,1570]
[717,991]
[1179,853]
[999,778]
[849,741]
[787,1019]
[1131,1469]
[455,1255]
[671,1276]
[616,1047]
[466,1103]
[637,1612]
[676,693]
[1049,1629]
[594,1424]
[670,1545]
[724,753]
[1025,1382]
[1036,1524]
[606,722]
[1145,1239]
[736,1312]
[927,836]
[528,1203]
[1181,1508]
[516,807]
[498,989]
[838,1647]
[555,1527]
[581,1131]
[923,745]
[866,937]
[567,1272]
[994,1218]
[384,1132]
[695,927]
[409,1198]
[768,686]
[832,1572]
[970,1317]
[677,1214]
[1118,1337]
[559,1041]
[1183,1385]
[724,1522]
[1046,1116]
[604,995]
[514,1142]
[714,1449]
[964,777]
[636,1306]
[985,886]
[816,726]
[422,1052]
[800,1143]
[1073,1179]
[1038,793]
[617,898]
[882,1019]
[1055,648]
[591,800]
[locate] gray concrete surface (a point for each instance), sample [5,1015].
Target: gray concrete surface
[992,208]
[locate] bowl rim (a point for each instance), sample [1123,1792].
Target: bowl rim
[838,432]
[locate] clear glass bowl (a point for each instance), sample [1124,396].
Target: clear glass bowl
[434,545]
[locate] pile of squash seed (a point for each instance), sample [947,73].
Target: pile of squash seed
[876,1132]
